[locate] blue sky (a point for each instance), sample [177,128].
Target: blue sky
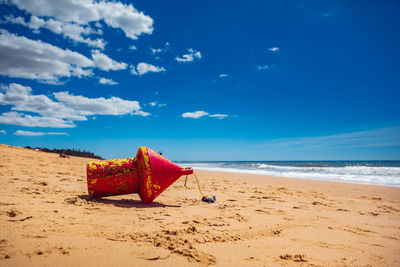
[207,80]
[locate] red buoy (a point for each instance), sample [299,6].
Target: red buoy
[148,174]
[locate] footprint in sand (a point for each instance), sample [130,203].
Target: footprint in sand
[21,220]
[42,183]
[155,254]
[13,213]
[63,251]
[75,201]
[388,209]
[295,258]
[345,210]
[262,211]
[71,200]
[277,232]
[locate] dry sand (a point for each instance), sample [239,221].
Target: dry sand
[47,220]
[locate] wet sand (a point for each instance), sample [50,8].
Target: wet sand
[48,220]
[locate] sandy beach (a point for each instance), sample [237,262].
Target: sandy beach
[48,220]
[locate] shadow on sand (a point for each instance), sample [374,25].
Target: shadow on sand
[125,203]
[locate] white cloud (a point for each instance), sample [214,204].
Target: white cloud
[262,67]
[155,51]
[156,104]
[274,49]
[219,116]
[104,62]
[56,133]
[160,50]
[143,68]
[3,132]
[29,133]
[25,58]
[132,47]
[107,81]
[194,115]
[15,118]
[35,23]
[133,70]
[21,99]
[199,114]
[69,30]
[61,113]
[102,106]
[190,56]
[223,75]
[15,20]
[114,14]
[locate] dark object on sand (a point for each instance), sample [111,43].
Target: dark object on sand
[63,155]
[209,200]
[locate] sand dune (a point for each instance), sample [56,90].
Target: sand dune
[47,220]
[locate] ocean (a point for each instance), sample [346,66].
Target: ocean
[362,172]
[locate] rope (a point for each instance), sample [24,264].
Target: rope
[198,184]
[204,198]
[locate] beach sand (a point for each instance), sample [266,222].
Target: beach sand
[47,220]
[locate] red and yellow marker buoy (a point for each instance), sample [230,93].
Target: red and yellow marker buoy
[148,174]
